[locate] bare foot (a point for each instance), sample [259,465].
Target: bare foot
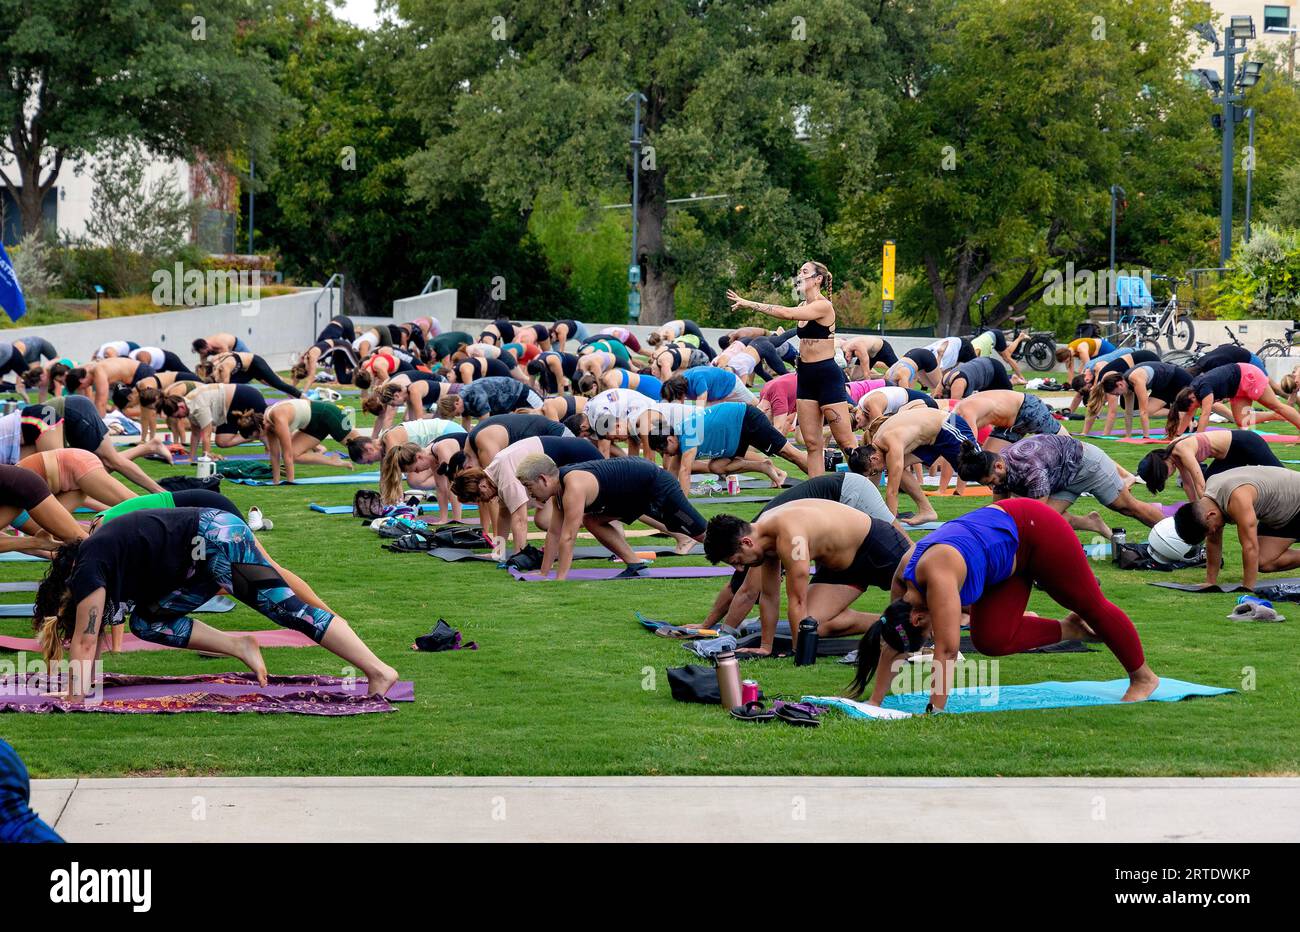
[754,651]
[778,477]
[157,446]
[1141,684]
[684,544]
[1073,628]
[381,681]
[246,649]
[921,517]
[1092,521]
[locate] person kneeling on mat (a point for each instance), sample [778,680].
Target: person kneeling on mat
[168,563]
[852,551]
[989,560]
[721,435]
[595,495]
[1229,449]
[1264,503]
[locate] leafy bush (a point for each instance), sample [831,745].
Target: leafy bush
[1263,277]
[35,265]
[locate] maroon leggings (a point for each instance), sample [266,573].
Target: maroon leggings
[1050,555]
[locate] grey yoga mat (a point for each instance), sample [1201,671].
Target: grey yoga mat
[654,572]
[1220,587]
[595,552]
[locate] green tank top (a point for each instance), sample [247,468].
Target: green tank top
[139,503]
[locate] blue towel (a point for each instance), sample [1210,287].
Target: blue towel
[1051,695]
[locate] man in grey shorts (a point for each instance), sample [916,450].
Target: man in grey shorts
[1057,469]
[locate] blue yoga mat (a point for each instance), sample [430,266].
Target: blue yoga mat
[17,556]
[26,586]
[216,604]
[1050,695]
[425,509]
[357,478]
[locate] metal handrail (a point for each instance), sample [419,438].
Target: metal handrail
[428,286]
[326,289]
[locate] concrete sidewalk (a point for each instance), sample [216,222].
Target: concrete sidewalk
[666,809]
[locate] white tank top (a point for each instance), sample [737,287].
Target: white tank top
[425,431]
[894,396]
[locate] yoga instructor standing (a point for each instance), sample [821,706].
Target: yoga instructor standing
[820,395]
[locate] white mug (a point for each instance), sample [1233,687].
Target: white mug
[206,468]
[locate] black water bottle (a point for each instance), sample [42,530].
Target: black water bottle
[805,651]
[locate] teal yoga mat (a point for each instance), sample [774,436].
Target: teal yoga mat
[17,556]
[357,478]
[1023,697]
[215,605]
[425,509]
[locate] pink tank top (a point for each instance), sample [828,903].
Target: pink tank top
[862,386]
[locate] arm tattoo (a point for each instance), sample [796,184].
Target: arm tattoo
[773,309]
[93,622]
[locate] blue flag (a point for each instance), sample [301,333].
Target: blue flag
[11,293]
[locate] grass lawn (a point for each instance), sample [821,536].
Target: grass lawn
[566,682]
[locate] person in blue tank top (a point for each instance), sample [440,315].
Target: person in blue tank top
[987,562]
[721,435]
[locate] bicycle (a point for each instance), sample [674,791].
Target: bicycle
[1145,326]
[1038,350]
[1279,348]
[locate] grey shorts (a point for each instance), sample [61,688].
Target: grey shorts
[742,394]
[861,494]
[1034,418]
[1097,475]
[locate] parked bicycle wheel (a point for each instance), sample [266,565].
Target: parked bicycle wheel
[1274,349]
[1040,353]
[1181,333]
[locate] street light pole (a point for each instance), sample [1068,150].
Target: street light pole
[1116,192]
[1229,54]
[1250,165]
[634,266]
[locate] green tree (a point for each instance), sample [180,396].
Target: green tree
[777,105]
[336,195]
[1000,166]
[83,73]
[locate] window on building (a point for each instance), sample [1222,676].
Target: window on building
[1277,18]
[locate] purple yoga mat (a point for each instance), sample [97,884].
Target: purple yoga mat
[654,572]
[272,637]
[1170,509]
[211,692]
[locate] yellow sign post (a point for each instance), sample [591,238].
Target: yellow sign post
[886,283]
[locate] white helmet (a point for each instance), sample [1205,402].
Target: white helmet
[1165,544]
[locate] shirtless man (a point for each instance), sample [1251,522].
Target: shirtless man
[1013,415]
[869,353]
[595,495]
[1264,503]
[852,552]
[918,435]
[218,343]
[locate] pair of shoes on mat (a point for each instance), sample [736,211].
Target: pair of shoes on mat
[799,714]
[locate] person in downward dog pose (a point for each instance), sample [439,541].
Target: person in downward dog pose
[594,495]
[851,551]
[1014,416]
[1057,469]
[1228,448]
[720,436]
[293,431]
[915,435]
[1241,384]
[988,561]
[168,563]
[822,400]
[27,503]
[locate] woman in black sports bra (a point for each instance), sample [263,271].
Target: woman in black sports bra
[820,394]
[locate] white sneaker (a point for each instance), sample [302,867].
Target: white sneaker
[255,520]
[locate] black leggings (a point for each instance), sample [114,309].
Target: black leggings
[259,369]
[769,358]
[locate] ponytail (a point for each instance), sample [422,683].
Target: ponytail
[1182,403]
[148,398]
[894,628]
[1154,469]
[362,378]
[447,407]
[395,463]
[53,614]
[374,403]
[248,422]
[466,485]
[1100,390]
[974,464]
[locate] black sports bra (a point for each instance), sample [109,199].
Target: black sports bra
[815,330]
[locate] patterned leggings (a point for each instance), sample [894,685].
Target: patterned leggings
[227,558]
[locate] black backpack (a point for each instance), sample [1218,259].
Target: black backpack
[459,536]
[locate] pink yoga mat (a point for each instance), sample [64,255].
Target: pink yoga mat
[276,637]
[212,692]
[654,572]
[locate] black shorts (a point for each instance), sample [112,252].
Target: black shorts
[1288,531]
[999,340]
[885,355]
[205,498]
[671,508]
[822,382]
[83,429]
[967,351]
[1247,449]
[21,488]
[758,432]
[875,562]
[924,359]
[914,395]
